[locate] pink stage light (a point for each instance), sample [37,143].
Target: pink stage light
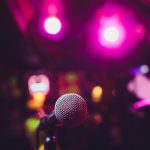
[111,33]
[52,22]
[140,86]
[52,25]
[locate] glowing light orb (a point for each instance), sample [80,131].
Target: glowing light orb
[144,69]
[140,86]
[35,104]
[39,96]
[97,92]
[31,124]
[52,25]
[111,33]
[41,147]
[97,119]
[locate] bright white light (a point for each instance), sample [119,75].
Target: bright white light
[38,83]
[52,25]
[111,34]
[38,87]
[48,139]
[144,69]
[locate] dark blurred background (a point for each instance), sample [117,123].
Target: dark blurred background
[108,68]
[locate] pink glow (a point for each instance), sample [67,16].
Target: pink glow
[51,7]
[23,12]
[114,31]
[140,86]
[111,32]
[52,22]
[140,104]
[26,9]
[140,31]
[52,25]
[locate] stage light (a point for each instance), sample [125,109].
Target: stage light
[111,32]
[140,86]
[38,83]
[41,147]
[97,94]
[39,96]
[31,124]
[52,25]
[144,69]
[35,104]
[97,119]
[38,88]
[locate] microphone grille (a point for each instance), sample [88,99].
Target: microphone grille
[71,110]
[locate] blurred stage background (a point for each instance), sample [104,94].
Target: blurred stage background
[99,49]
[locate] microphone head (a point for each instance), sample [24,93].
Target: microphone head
[71,110]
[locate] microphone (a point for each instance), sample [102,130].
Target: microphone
[70,110]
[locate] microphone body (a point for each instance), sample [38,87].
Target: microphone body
[70,110]
[47,121]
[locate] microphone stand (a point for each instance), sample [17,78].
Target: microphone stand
[49,129]
[50,139]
